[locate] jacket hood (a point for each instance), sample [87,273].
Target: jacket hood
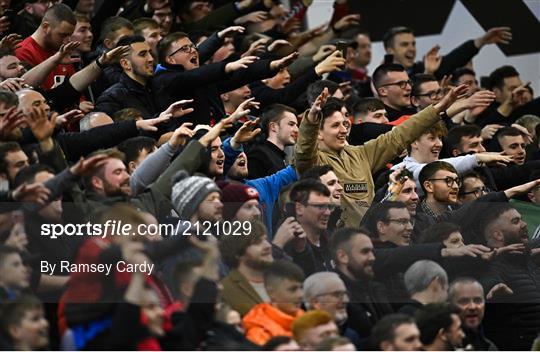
[268,317]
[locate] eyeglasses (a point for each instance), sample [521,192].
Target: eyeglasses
[477,192]
[186,49]
[432,95]
[449,180]
[322,206]
[336,294]
[401,84]
[401,222]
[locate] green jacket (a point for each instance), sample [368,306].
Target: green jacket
[238,292]
[354,165]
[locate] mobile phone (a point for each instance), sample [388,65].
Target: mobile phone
[388,58]
[342,46]
[290,210]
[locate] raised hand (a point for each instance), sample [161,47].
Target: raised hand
[497,35]
[334,62]
[4,24]
[347,21]
[278,44]
[244,109]
[86,106]
[64,54]
[230,31]
[41,126]
[323,52]
[246,132]
[216,130]
[114,55]
[69,117]
[471,250]
[286,61]
[11,41]
[489,131]
[494,159]
[432,60]
[31,193]
[252,17]
[10,122]
[521,189]
[181,135]
[85,167]
[499,290]
[314,115]
[13,84]
[240,64]
[177,109]
[450,98]
[256,47]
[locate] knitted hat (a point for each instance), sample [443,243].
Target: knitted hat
[188,192]
[234,195]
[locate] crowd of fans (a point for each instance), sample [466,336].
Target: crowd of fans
[279,195]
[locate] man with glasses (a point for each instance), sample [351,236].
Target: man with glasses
[472,187]
[440,182]
[352,252]
[180,74]
[312,206]
[393,87]
[326,291]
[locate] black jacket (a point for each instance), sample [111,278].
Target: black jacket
[513,321]
[368,302]
[204,85]
[492,116]
[129,94]
[394,114]
[364,132]
[265,159]
[313,259]
[455,59]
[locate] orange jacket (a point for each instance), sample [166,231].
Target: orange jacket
[265,321]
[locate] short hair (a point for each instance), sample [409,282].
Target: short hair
[456,75]
[342,237]
[28,174]
[421,274]
[331,106]
[308,321]
[389,36]
[12,312]
[430,169]
[464,280]
[329,343]
[82,17]
[302,189]
[275,342]
[6,251]
[274,113]
[133,147]
[496,78]
[316,88]
[110,153]
[438,129]
[437,233]
[379,212]
[508,131]
[233,247]
[385,328]
[380,72]
[164,44]
[5,148]
[130,39]
[182,272]
[126,114]
[433,317]
[487,218]
[281,270]
[59,13]
[113,24]
[9,99]
[316,172]
[366,105]
[6,52]
[528,121]
[142,23]
[420,79]
[315,284]
[454,136]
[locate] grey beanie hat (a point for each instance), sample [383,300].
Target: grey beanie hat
[188,192]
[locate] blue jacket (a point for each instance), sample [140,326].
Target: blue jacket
[268,187]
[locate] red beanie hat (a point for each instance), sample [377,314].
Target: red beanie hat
[234,195]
